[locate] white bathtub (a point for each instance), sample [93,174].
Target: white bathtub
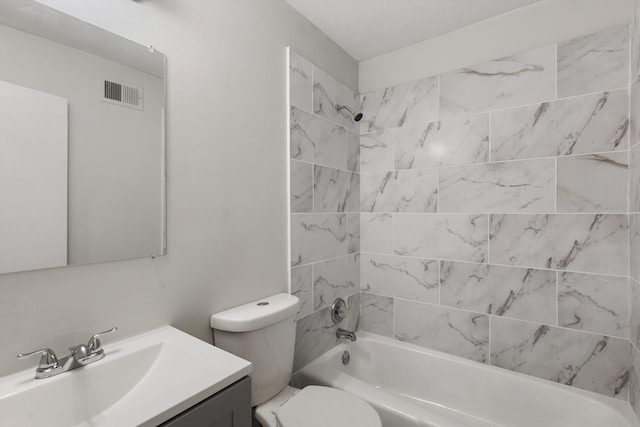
[413,386]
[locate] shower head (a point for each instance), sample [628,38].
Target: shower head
[356,116]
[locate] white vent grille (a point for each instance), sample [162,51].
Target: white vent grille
[121,94]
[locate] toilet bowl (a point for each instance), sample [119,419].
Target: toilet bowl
[263,332]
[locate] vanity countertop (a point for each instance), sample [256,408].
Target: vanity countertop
[143,380]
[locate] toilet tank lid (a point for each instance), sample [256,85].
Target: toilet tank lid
[256,315]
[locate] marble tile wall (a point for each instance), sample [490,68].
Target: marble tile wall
[491,212]
[634,210]
[496,226]
[324,205]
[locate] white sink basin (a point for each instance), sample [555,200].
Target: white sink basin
[144,380]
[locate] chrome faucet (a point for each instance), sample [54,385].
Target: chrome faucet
[79,356]
[343,333]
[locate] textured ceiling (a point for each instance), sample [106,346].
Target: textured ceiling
[367,28]
[34,18]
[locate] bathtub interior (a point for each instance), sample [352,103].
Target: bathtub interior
[412,386]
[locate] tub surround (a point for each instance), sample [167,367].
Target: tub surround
[530,232]
[324,205]
[494,217]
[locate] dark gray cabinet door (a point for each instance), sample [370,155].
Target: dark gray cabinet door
[230,407]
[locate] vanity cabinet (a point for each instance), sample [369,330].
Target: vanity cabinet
[230,407]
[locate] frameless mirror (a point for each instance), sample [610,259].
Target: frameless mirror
[81,142]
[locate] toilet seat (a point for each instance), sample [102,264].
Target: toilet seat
[316,406]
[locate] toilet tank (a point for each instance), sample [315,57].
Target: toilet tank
[262,332]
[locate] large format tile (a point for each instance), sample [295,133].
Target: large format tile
[441,236]
[316,140]
[335,190]
[403,105]
[457,332]
[335,278]
[400,191]
[376,314]
[315,237]
[595,62]
[316,333]
[577,242]
[588,361]
[594,303]
[520,293]
[449,142]
[376,233]
[515,80]
[415,279]
[300,82]
[376,151]
[593,183]
[301,286]
[301,184]
[505,187]
[327,94]
[587,124]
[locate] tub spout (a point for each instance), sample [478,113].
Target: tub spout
[343,333]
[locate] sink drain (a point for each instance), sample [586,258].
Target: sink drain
[346,357]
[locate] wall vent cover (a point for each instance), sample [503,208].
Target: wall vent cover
[122,94]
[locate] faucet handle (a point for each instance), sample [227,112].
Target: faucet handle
[48,359]
[94,344]
[338,310]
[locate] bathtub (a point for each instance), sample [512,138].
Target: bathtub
[412,386]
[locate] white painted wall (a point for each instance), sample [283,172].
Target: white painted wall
[227,163]
[115,153]
[540,24]
[33,179]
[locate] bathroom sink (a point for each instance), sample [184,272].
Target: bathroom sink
[144,380]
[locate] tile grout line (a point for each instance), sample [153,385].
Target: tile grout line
[313,289]
[439,283]
[557,300]
[555,185]
[393,318]
[630,281]
[490,345]
[472,213]
[555,76]
[288,164]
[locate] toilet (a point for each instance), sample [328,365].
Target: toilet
[263,332]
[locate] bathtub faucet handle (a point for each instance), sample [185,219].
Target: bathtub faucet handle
[338,310]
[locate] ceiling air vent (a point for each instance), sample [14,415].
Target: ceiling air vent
[121,94]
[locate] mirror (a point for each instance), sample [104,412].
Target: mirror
[81,142]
